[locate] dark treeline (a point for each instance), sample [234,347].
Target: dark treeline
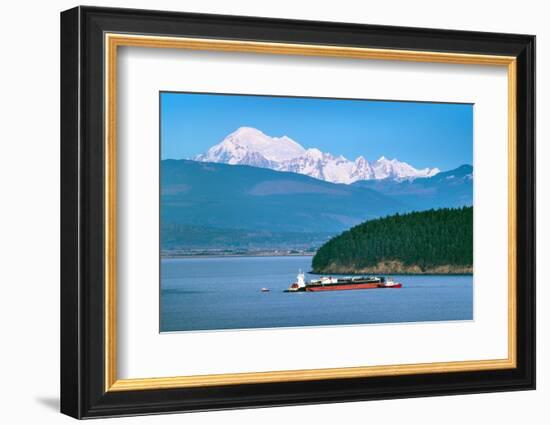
[427,239]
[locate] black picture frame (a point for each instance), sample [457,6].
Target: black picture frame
[83,392]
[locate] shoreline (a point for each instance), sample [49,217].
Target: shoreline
[385,273]
[410,272]
[397,267]
[210,255]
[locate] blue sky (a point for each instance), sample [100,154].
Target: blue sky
[422,134]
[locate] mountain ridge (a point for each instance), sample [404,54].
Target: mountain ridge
[250,146]
[452,188]
[244,201]
[240,196]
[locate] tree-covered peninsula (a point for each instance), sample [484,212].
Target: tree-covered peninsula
[433,241]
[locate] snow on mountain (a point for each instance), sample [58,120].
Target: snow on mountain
[235,148]
[394,169]
[249,146]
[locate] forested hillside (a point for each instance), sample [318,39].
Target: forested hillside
[433,241]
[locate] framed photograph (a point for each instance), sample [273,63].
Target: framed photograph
[261,212]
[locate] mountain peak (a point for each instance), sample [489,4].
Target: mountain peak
[250,146]
[246,132]
[249,142]
[314,153]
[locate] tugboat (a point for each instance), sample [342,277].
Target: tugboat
[329,283]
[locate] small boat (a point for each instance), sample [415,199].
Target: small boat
[265,289]
[329,283]
[389,283]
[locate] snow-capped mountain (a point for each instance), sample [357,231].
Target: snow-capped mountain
[249,146]
[385,168]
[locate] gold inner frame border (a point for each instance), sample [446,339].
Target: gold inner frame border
[111,43]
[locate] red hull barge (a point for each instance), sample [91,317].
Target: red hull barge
[342,287]
[326,283]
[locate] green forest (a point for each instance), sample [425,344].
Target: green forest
[433,241]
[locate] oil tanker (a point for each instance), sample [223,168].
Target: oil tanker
[329,283]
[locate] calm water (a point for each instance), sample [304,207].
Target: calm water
[224,293]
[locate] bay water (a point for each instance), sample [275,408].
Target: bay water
[215,293]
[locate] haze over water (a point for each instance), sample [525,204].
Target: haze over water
[218,293]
